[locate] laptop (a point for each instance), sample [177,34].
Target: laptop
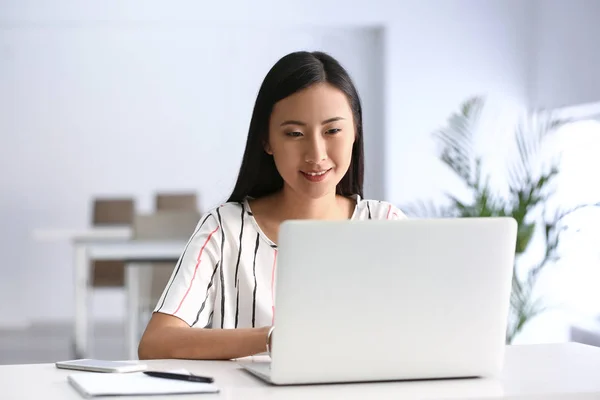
[412,299]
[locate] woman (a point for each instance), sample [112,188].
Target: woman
[303,160]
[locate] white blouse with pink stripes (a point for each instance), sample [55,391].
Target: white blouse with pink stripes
[225,276]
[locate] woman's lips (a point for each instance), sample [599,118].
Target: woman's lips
[316,176]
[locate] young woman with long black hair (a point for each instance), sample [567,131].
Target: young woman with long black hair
[303,160]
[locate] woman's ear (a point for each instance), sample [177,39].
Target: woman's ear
[267,148]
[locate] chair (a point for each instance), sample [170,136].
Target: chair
[110,212]
[176,201]
[113,212]
[187,203]
[163,225]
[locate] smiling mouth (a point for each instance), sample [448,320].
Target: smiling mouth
[314,176]
[317,173]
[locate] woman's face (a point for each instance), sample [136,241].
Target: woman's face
[311,134]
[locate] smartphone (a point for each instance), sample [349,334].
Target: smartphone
[88,364]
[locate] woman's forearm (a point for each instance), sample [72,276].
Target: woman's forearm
[203,344]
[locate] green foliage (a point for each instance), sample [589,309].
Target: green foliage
[529,191]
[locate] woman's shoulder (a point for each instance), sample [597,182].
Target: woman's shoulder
[377,209]
[228,212]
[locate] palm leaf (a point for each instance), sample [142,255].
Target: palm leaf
[428,209]
[560,215]
[529,135]
[530,187]
[456,139]
[553,230]
[524,234]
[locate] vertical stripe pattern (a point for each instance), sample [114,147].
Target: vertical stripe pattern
[212,278]
[195,270]
[164,297]
[237,267]
[242,295]
[223,290]
[255,282]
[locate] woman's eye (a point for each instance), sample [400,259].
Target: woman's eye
[333,131]
[294,134]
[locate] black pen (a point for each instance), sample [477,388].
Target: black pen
[181,377]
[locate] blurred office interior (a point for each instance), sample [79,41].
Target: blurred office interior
[124,116]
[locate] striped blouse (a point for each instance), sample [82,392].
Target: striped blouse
[225,276]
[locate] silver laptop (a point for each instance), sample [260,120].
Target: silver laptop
[390,300]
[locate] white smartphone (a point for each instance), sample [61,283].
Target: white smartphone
[88,364]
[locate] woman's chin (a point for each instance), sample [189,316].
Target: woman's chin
[315,192]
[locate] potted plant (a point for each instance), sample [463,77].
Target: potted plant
[529,190]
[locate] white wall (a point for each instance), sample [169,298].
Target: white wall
[566,57]
[122,111]
[438,57]
[81,80]
[564,65]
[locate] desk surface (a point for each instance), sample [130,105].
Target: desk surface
[136,250]
[94,233]
[555,371]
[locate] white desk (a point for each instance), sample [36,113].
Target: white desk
[559,371]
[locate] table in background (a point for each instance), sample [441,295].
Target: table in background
[136,254]
[108,243]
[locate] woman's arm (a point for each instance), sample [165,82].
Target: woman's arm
[169,337]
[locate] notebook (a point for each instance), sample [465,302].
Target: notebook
[91,384]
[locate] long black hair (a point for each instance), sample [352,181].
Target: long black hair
[258,174]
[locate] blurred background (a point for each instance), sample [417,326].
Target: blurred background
[134,100]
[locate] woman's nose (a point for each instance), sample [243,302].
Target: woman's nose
[316,151]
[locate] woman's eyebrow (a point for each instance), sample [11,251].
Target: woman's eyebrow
[295,122]
[327,121]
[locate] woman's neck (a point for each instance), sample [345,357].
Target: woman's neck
[329,207]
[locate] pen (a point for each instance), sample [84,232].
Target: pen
[181,377]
